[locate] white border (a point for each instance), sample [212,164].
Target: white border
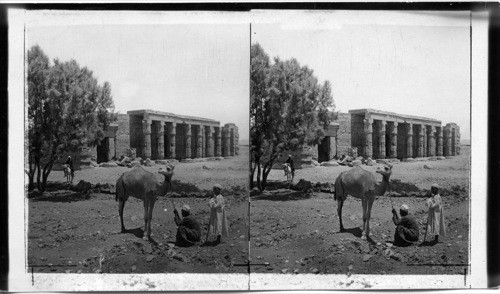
[19,280]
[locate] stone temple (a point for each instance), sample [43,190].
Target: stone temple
[381,135]
[161,135]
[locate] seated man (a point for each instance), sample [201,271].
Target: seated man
[406,227]
[189,231]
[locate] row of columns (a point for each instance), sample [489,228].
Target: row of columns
[426,138]
[210,148]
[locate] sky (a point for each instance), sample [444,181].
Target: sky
[415,63]
[407,63]
[189,69]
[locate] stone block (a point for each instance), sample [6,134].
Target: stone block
[187,160]
[449,157]
[426,166]
[370,162]
[161,161]
[108,164]
[394,160]
[383,161]
[408,159]
[440,158]
[432,158]
[356,162]
[329,163]
[149,162]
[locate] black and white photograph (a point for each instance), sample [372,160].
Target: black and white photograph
[247,150]
[137,148]
[360,136]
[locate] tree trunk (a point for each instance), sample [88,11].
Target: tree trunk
[38,175]
[259,186]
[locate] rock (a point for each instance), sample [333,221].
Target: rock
[162,161]
[134,268]
[432,158]
[350,268]
[329,163]
[187,160]
[284,271]
[302,185]
[314,270]
[82,186]
[426,166]
[459,237]
[408,159]
[206,167]
[315,163]
[181,257]
[356,162]
[366,257]
[148,162]
[440,158]
[149,258]
[296,271]
[369,162]
[255,191]
[108,164]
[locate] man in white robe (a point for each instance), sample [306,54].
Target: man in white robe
[218,222]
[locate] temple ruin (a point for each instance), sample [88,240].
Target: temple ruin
[380,134]
[162,135]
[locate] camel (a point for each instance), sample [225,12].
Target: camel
[142,184]
[361,184]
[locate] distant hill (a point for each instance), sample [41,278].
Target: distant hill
[465,142]
[244,142]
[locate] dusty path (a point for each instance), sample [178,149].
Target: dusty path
[297,232]
[71,232]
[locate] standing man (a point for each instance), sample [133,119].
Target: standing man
[290,162]
[218,221]
[189,230]
[435,217]
[406,227]
[69,162]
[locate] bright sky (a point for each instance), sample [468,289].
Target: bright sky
[189,69]
[408,63]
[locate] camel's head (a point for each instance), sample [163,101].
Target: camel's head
[168,172]
[386,171]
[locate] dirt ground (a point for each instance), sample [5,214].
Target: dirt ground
[73,232]
[296,232]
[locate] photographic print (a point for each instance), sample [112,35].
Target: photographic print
[360,135]
[137,148]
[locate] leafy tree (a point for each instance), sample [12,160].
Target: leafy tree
[289,108]
[74,111]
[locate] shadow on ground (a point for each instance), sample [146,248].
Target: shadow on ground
[63,196]
[286,195]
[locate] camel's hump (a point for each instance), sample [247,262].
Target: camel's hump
[138,175]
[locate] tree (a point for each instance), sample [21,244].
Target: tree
[73,111]
[38,66]
[289,108]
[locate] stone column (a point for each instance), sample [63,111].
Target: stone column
[420,152]
[225,141]
[394,140]
[425,141]
[161,141]
[146,131]
[188,141]
[409,140]
[210,151]
[218,142]
[368,137]
[439,133]
[236,141]
[381,140]
[231,141]
[199,143]
[432,142]
[172,141]
[447,141]
[457,140]
[203,142]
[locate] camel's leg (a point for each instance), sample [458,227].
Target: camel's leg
[363,233]
[340,203]
[121,205]
[368,216]
[146,217]
[150,215]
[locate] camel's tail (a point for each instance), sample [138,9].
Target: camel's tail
[118,188]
